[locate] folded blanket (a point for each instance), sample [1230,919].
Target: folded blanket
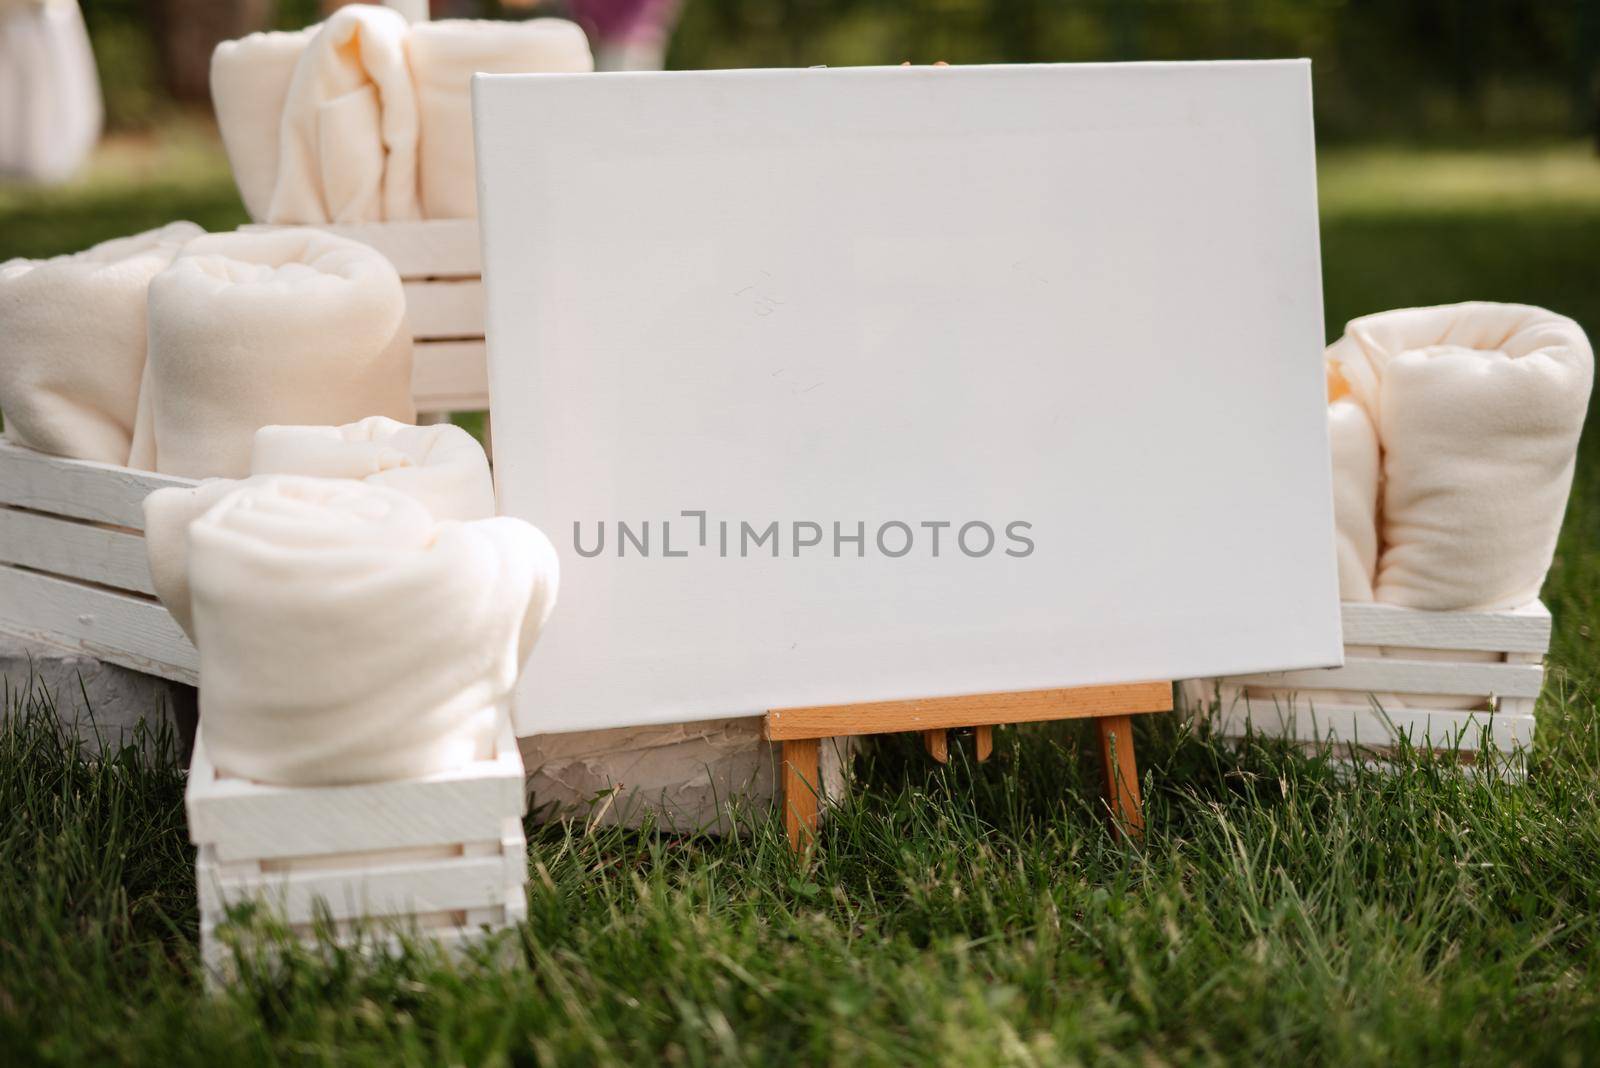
[441,467]
[1478,408]
[444,56]
[347,143]
[254,328]
[1354,444]
[168,514]
[249,85]
[345,636]
[72,343]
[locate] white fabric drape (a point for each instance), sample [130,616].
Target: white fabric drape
[50,109]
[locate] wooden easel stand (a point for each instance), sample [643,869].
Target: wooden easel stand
[801,731]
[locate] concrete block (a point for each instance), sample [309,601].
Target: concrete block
[101,702]
[687,776]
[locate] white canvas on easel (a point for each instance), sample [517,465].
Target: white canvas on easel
[1084,298]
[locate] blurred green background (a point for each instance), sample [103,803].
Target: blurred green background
[1435,70]
[1457,137]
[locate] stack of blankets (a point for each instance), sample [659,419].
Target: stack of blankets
[360,612]
[1454,432]
[166,351]
[367,118]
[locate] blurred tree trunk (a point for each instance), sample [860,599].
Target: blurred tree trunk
[186,31]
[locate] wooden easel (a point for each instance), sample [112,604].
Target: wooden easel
[801,731]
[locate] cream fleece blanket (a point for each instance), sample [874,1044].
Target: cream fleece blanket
[1354,444]
[347,143]
[72,343]
[255,328]
[345,636]
[249,85]
[167,516]
[442,468]
[444,56]
[1478,408]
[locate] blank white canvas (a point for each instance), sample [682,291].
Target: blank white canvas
[1082,297]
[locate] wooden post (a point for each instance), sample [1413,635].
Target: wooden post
[801,785]
[1122,774]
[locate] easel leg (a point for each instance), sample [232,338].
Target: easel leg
[801,781]
[937,743]
[984,737]
[1122,774]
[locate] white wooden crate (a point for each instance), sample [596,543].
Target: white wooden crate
[72,558]
[72,562]
[442,856]
[1400,679]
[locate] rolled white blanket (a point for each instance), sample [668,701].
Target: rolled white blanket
[167,516]
[249,84]
[347,143]
[1479,408]
[256,328]
[444,56]
[1354,444]
[345,636]
[442,467]
[72,343]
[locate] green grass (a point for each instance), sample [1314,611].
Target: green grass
[1278,910]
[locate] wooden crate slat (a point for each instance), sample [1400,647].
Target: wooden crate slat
[1311,707]
[1409,676]
[117,627]
[245,820]
[445,308]
[425,248]
[1368,726]
[82,489]
[453,884]
[1524,630]
[455,941]
[99,554]
[340,843]
[450,376]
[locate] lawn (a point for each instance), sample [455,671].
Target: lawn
[1279,909]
